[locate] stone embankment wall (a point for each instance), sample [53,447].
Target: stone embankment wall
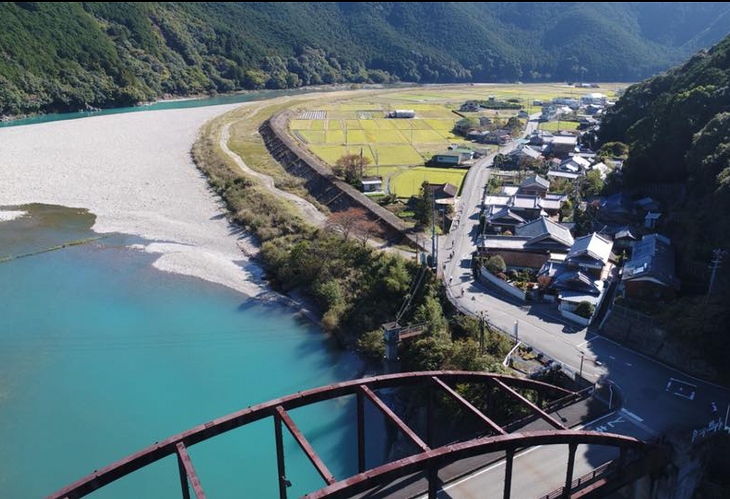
[322,184]
[640,333]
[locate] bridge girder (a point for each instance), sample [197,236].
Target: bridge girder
[427,458]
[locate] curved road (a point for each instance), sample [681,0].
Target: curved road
[649,398]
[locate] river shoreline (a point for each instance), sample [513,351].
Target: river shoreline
[134,172]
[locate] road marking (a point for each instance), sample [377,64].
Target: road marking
[681,388]
[628,413]
[639,422]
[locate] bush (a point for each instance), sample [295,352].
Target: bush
[495,264]
[585,309]
[372,345]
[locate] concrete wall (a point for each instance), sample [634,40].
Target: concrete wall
[513,291]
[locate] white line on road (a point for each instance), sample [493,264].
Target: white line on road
[638,422]
[632,415]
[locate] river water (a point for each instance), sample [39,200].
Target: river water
[102,355]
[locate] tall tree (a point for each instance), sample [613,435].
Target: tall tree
[351,167]
[422,205]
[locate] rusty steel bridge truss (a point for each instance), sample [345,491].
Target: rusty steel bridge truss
[638,457]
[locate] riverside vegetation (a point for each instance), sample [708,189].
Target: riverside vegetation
[355,287]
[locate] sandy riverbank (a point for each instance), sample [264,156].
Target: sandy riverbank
[134,172]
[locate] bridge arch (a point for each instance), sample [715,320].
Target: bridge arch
[427,458]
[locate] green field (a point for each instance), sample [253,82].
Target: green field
[398,148]
[554,126]
[408,183]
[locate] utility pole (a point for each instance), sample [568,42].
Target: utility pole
[718,255]
[434,245]
[481,332]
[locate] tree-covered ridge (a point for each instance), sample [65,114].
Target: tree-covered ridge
[67,56]
[677,126]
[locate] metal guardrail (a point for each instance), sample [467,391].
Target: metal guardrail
[587,479]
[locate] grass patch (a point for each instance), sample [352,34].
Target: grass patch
[382,171]
[356,137]
[441,125]
[428,136]
[312,136]
[334,137]
[352,124]
[408,183]
[404,124]
[395,154]
[328,154]
[300,124]
[554,126]
[368,124]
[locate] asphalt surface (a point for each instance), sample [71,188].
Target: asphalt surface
[651,398]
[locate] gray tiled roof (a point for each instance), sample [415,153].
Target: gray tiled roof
[545,229]
[592,246]
[652,259]
[535,179]
[504,214]
[576,281]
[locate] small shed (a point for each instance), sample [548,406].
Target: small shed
[402,113]
[371,184]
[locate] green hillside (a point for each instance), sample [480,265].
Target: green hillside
[677,125]
[70,56]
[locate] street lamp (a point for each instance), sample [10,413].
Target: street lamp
[517,331]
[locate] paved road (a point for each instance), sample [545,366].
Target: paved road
[537,471]
[655,398]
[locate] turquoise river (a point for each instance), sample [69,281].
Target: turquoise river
[102,355]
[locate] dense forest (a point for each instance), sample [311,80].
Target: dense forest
[677,126]
[64,56]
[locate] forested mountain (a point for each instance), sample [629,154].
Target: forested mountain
[59,56]
[678,127]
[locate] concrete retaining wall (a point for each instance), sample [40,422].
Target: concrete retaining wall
[322,184]
[517,293]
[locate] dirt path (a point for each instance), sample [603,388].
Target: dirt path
[308,211]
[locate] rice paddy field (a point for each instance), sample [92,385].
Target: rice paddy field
[398,148]
[554,126]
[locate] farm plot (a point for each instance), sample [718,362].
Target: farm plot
[408,183]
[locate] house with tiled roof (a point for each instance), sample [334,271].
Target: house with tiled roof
[544,233]
[574,164]
[581,276]
[563,145]
[590,254]
[532,244]
[534,186]
[502,219]
[520,155]
[650,272]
